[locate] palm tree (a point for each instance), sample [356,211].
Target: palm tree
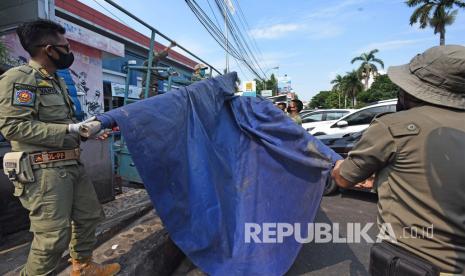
[352,85]
[435,13]
[338,84]
[368,67]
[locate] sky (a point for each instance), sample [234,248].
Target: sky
[310,40]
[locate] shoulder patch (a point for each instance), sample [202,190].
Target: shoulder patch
[404,129]
[24,95]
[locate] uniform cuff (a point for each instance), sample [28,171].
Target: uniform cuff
[351,172]
[58,131]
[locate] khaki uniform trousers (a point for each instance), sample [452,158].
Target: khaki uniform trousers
[64,211]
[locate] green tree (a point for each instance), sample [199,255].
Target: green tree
[381,89]
[338,84]
[324,99]
[368,65]
[319,100]
[436,13]
[270,84]
[332,100]
[352,85]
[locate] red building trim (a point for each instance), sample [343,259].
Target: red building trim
[100,19]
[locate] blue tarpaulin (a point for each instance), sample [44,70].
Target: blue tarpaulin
[212,162]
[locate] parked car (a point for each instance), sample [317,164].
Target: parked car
[323,117]
[356,121]
[342,146]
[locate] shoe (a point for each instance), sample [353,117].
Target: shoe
[90,268]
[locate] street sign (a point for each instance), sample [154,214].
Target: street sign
[267,93]
[250,86]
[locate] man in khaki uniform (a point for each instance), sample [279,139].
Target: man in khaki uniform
[199,72]
[36,115]
[155,76]
[418,155]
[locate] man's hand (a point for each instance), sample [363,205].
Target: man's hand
[340,181]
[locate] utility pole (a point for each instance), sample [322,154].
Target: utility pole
[226,32]
[231,8]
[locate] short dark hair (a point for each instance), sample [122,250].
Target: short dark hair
[298,104]
[38,32]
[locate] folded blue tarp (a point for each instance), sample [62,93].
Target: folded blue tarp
[212,162]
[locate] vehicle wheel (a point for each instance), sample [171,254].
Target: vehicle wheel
[330,187]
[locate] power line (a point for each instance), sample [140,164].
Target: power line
[103,7]
[239,46]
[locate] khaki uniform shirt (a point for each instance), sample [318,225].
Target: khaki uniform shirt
[35,110]
[197,77]
[297,119]
[419,159]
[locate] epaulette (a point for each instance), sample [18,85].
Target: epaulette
[24,69]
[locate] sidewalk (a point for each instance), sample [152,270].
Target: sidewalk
[132,234]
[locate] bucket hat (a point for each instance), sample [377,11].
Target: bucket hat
[437,76]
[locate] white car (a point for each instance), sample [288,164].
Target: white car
[323,117]
[356,121]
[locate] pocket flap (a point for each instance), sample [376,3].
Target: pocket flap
[404,129]
[52,100]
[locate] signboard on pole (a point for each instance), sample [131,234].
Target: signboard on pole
[249,89]
[117,90]
[284,85]
[266,93]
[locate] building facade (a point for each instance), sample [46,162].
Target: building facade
[103,48]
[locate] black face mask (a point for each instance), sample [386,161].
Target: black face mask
[400,106]
[64,61]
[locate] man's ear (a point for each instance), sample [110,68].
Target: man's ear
[49,50]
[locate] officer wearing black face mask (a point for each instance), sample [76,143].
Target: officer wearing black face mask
[36,115]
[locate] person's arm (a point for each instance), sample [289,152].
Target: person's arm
[18,112]
[164,53]
[374,150]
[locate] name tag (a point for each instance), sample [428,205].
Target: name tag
[47,90]
[51,156]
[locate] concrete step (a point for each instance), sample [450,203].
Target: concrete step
[141,248]
[131,234]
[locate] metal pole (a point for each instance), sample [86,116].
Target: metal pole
[149,65]
[159,33]
[126,89]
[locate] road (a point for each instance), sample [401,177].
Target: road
[340,258]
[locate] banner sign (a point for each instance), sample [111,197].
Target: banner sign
[117,90]
[90,38]
[267,93]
